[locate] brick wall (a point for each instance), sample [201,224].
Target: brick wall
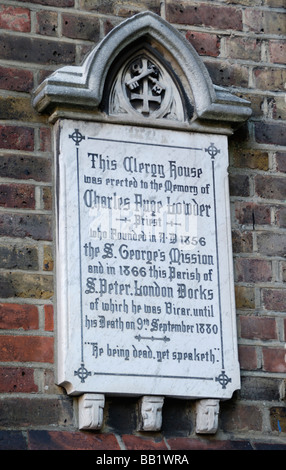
[242,43]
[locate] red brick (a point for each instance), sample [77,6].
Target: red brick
[274,359]
[45,140]
[253,270]
[15,18]
[63,440]
[258,328]
[140,443]
[274,299]
[26,349]
[204,43]
[15,316]
[16,137]
[49,318]
[204,14]
[249,213]
[247,357]
[17,196]
[13,79]
[17,380]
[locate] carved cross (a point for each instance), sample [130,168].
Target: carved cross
[145,96]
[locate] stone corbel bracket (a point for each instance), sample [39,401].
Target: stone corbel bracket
[207,412]
[91,407]
[80,88]
[151,413]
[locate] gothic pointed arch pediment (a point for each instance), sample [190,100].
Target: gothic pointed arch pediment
[170,53]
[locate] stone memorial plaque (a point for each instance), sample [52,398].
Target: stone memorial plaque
[144,264]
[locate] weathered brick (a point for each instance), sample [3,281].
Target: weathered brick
[27,349]
[245,158]
[18,109]
[15,18]
[242,242]
[36,411]
[253,270]
[243,48]
[14,79]
[247,357]
[24,168]
[239,185]
[19,257]
[17,380]
[250,213]
[47,23]
[260,388]
[281,161]
[19,285]
[48,261]
[244,297]
[253,327]
[16,137]
[49,318]
[17,196]
[269,78]
[52,3]
[187,443]
[270,187]
[120,8]
[139,443]
[12,440]
[19,317]
[277,51]
[36,226]
[36,51]
[274,299]
[204,43]
[226,74]
[278,418]
[81,27]
[274,359]
[281,217]
[220,17]
[236,417]
[272,244]
[270,133]
[264,21]
[274,22]
[45,139]
[47,198]
[63,440]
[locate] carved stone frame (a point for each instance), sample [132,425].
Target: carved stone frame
[82,92]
